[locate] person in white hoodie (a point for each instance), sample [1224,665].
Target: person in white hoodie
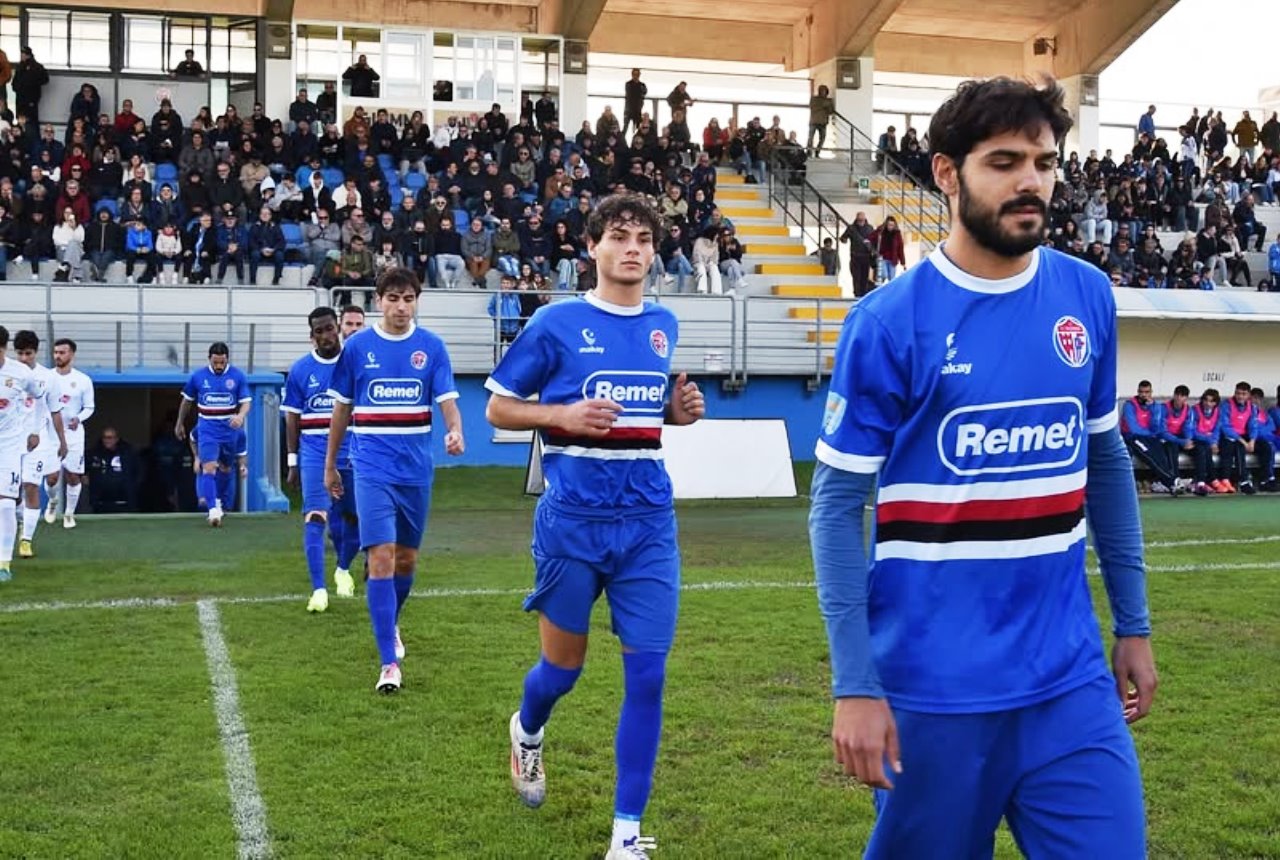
[706,261]
[168,254]
[68,240]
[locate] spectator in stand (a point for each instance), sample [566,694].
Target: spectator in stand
[504,307]
[199,250]
[357,225]
[38,244]
[535,245]
[1174,428]
[1121,259]
[679,98]
[74,199]
[1205,433]
[566,250]
[139,244]
[1246,223]
[168,255]
[448,254]
[886,241]
[1150,262]
[506,248]
[225,191]
[266,245]
[1147,123]
[29,81]
[676,252]
[1245,136]
[68,243]
[166,209]
[324,241]
[821,109]
[706,262]
[6,75]
[416,248]
[354,268]
[316,197]
[287,200]
[189,67]
[633,102]
[477,252]
[302,109]
[361,78]
[327,103]
[731,251]
[232,245]
[114,475]
[1141,420]
[103,243]
[386,258]
[1233,258]
[1208,257]
[1240,437]
[86,104]
[252,175]
[887,145]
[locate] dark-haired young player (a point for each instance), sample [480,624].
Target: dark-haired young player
[307,408]
[221,394]
[601,369]
[386,382]
[968,669]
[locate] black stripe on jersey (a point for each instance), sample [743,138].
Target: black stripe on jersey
[385,420]
[607,443]
[979,530]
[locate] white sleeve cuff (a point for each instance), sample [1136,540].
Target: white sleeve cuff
[1103,424]
[498,388]
[857,463]
[338,397]
[448,395]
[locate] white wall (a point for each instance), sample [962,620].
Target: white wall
[573,103]
[277,88]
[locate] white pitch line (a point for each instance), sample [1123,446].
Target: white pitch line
[1166,544]
[248,811]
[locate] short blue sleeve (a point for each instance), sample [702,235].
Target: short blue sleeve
[293,397]
[342,384]
[1102,414]
[191,391]
[528,364]
[442,384]
[868,399]
[242,388]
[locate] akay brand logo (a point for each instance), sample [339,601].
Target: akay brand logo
[1016,436]
[1071,341]
[395,392]
[371,360]
[589,337]
[639,392]
[952,367]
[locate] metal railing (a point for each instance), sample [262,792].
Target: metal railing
[911,199]
[124,327]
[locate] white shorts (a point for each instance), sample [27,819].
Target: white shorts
[74,461]
[38,463]
[10,474]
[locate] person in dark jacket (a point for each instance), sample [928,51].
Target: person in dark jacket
[29,80]
[232,240]
[114,475]
[103,242]
[200,250]
[862,254]
[39,239]
[266,245]
[361,77]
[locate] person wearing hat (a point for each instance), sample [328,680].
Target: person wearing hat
[232,239]
[29,79]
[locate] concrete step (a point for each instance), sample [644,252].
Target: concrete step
[753,230]
[778,249]
[729,177]
[836,314]
[829,335]
[735,212]
[746,192]
[789,269]
[809,291]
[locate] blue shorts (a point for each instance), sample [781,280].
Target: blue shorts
[636,562]
[392,513]
[222,452]
[315,495]
[1063,773]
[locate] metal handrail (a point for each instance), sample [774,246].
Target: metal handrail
[804,206]
[784,337]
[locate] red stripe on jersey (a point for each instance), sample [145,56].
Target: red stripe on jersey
[980,509]
[635,433]
[373,419]
[208,411]
[314,423]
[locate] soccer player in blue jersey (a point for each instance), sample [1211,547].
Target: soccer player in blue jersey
[307,409]
[600,366]
[968,667]
[384,385]
[221,395]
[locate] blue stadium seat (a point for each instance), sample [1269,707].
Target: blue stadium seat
[303,176]
[391,178]
[110,205]
[333,177]
[461,220]
[293,241]
[415,182]
[166,174]
[528,197]
[396,194]
[386,162]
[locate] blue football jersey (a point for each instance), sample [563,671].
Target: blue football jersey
[582,349]
[974,400]
[391,382]
[217,397]
[306,394]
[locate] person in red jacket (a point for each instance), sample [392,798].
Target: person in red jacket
[889,248]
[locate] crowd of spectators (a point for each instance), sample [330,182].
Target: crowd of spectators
[190,199]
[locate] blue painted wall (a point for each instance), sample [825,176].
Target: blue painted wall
[784,397]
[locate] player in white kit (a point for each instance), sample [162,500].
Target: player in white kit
[16,437]
[75,393]
[47,423]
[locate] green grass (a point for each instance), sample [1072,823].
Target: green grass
[110,745]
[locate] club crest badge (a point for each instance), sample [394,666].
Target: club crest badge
[658,340]
[1071,341]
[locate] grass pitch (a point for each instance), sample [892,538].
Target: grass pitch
[111,747]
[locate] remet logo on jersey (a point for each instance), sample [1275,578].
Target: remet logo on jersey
[322,402]
[638,391]
[217,398]
[1016,436]
[395,392]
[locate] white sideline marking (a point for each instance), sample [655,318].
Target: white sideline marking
[440,593]
[1165,544]
[248,812]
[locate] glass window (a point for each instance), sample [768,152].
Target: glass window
[188,35]
[357,41]
[142,44]
[442,67]
[233,48]
[47,36]
[9,31]
[505,68]
[316,53]
[93,39]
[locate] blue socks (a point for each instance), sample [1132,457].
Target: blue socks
[207,489]
[313,549]
[543,687]
[639,728]
[346,540]
[222,480]
[381,594]
[404,584]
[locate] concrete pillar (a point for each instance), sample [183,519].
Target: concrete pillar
[850,80]
[573,102]
[1082,102]
[276,89]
